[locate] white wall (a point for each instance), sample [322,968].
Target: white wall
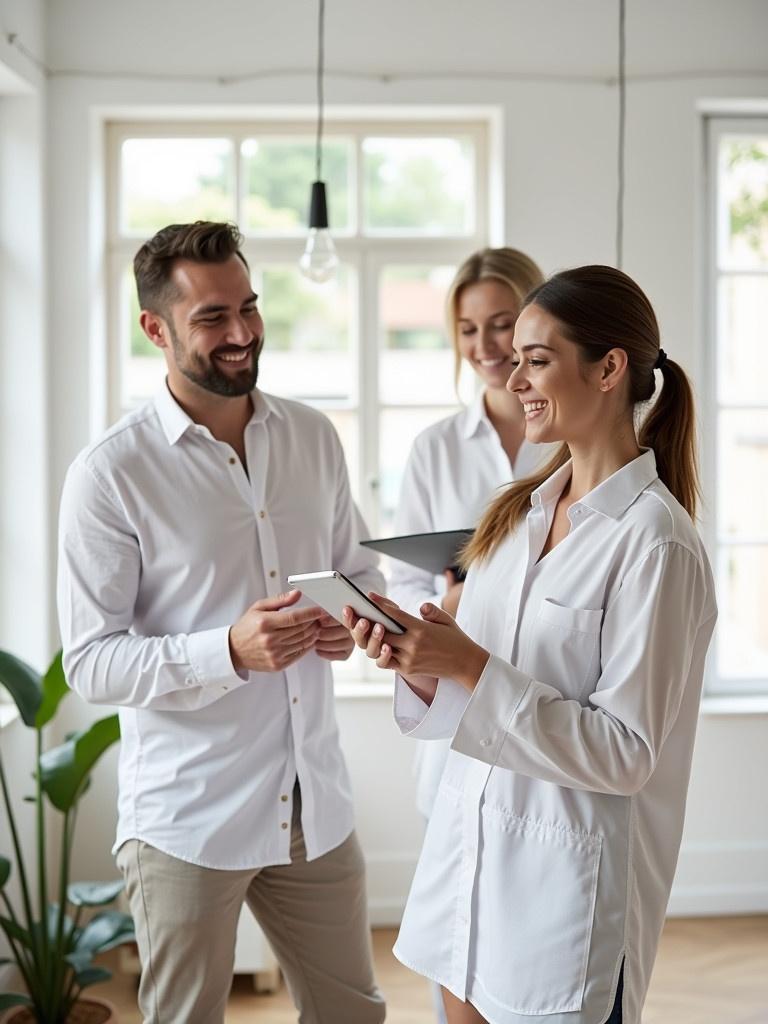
[24,555]
[559,162]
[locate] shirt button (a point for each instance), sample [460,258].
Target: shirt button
[232,460]
[284,825]
[284,797]
[273,573]
[486,742]
[262,513]
[295,700]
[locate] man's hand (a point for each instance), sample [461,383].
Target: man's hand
[269,638]
[335,642]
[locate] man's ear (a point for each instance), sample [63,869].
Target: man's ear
[614,367]
[154,327]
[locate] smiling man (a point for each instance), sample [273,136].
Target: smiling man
[176,531]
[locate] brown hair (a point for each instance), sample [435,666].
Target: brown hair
[600,308]
[508,266]
[204,241]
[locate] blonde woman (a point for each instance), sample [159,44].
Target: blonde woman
[457,465]
[570,683]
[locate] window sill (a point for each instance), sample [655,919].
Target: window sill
[8,713]
[755,704]
[359,689]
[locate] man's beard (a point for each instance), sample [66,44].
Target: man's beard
[207,375]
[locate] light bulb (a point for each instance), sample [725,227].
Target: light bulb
[319,260]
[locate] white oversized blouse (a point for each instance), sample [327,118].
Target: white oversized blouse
[552,845]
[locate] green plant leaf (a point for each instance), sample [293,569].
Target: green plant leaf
[64,770]
[94,894]
[92,976]
[15,931]
[9,999]
[79,961]
[54,688]
[5,871]
[105,931]
[23,684]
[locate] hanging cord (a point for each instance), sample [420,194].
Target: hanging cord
[320,98]
[622,131]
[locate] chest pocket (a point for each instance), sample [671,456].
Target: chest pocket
[564,648]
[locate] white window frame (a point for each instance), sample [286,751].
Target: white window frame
[718,123]
[366,255]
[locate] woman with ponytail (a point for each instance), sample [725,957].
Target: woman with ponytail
[569,682]
[457,464]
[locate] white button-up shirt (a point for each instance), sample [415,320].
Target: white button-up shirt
[164,542]
[551,849]
[453,472]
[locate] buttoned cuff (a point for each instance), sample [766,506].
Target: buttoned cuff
[486,720]
[435,721]
[208,654]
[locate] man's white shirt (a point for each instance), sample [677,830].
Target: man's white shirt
[164,542]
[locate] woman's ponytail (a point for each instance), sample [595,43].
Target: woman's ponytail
[670,429]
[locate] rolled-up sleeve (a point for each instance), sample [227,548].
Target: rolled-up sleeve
[435,721]
[98,582]
[612,744]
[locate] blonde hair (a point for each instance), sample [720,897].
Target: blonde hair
[599,308]
[508,266]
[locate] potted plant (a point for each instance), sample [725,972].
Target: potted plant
[51,947]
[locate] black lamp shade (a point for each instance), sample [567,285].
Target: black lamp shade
[318,206]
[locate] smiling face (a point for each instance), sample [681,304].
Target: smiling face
[485,318]
[212,334]
[565,398]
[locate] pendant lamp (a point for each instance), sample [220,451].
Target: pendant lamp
[319,260]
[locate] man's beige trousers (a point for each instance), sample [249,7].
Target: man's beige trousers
[313,913]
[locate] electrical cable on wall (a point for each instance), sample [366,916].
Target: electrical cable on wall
[622,81]
[381,77]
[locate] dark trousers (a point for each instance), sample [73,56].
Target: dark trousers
[615,1017]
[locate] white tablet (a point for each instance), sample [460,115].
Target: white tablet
[334,592]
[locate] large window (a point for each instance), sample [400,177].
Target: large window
[738,460]
[408,201]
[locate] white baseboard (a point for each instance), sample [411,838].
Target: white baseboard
[725,877]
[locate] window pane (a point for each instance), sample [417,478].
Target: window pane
[142,363]
[308,351]
[418,186]
[742,465]
[398,428]
[277,175]
[172,181]
[416,360]
[743,339]
[348,428]
[743,195]
[743,624]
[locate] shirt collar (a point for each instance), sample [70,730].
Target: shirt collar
[475,416]
[175,422]
[613,496]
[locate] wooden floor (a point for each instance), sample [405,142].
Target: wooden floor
[709,971]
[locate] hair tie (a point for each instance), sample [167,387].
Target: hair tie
[661,358]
